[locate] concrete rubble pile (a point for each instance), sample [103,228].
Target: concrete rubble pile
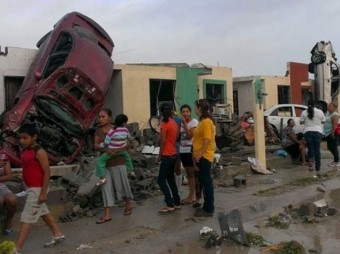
[74,186]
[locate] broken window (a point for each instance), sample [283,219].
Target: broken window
[214,93]
[12,86]
[283,94]
[59,54]
[161,90]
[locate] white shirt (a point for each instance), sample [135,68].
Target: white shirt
[315,124]
[186,142]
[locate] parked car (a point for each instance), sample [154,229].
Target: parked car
[278,116]
[63,90]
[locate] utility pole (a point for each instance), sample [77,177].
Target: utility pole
[260,146]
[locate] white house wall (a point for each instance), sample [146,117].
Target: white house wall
[14,62]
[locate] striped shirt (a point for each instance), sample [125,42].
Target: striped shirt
[116,138]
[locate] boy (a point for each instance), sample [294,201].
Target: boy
[36,176]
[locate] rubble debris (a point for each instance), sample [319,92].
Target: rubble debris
[291,247]
[240,180]
[258,167]
[210,237]
[232,227]
[84,246]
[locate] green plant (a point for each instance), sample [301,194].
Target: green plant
[7,247]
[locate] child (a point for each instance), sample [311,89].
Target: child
[7,198]
[302,148]
[117,141]
[36,176]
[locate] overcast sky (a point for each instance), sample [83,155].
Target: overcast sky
[253,37]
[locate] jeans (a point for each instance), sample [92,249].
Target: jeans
[332,146]
[205,178]
[166,180]
[313,139]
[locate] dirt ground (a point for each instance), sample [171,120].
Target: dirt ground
[145,231]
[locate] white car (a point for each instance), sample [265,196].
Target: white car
[278,115]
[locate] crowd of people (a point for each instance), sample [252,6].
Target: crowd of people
[184,141]
[317,125]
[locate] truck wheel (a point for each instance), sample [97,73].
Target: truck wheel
[318,58]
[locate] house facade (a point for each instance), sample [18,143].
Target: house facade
[294,87]
[136,90]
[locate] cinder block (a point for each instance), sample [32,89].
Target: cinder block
[73,179]
[89,188]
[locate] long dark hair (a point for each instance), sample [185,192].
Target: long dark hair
[166,111]
[310,110]
[203,104]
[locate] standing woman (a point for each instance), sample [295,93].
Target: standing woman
[313,120]
[188,125]
[168,156]
[117,185]
[203,153]
[331,123]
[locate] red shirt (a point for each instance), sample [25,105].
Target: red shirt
[32,172]
[171,131]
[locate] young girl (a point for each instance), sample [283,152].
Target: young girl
[7,198]
[117,141]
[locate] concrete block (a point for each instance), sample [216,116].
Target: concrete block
[89,187]
[73,179]
[56,195]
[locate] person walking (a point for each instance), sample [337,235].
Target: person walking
[313,120]
[188,125]
[332,119]
[7,199]
[203,153]
[36,176]
[116,186]
[168,157]
[117,141]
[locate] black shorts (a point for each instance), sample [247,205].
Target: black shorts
[186,159]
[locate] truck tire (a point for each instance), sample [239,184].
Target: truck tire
[318,58]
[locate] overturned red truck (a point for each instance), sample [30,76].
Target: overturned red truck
[63,90]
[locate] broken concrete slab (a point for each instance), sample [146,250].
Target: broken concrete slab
[231,225]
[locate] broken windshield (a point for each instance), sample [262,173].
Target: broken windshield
[59,116]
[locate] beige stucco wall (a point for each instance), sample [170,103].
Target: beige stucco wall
[135,92]
[14,64]
[270,86]
[246,97]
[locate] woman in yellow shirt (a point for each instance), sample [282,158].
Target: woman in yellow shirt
[203,152]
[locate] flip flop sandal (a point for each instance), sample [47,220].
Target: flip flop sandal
[166,210]
[102,220]
[128,211]
[187,202]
